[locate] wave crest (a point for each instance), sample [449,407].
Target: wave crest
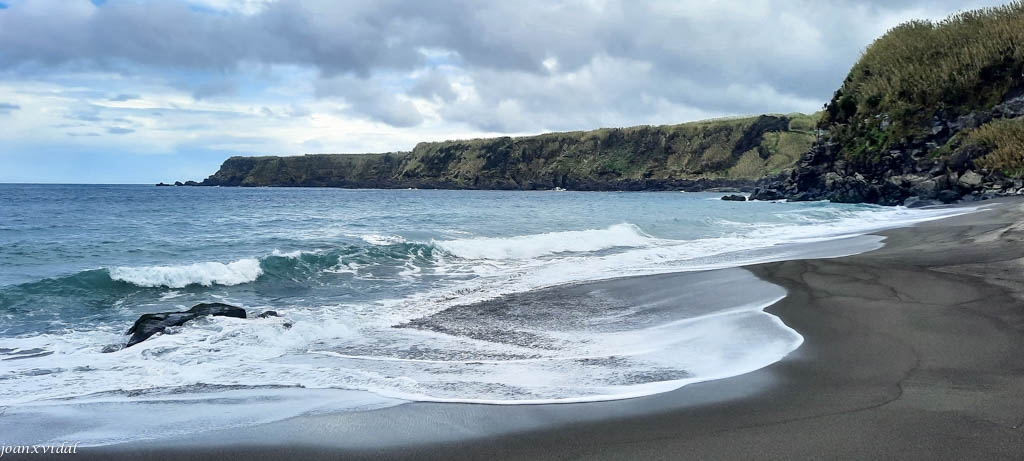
[205,274]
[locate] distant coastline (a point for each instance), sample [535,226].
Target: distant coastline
[726,154]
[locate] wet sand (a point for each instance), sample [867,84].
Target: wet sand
[913,351]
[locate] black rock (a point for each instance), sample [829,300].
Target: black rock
[163,185]
[734,198]
[150,324]
[178,183]
[268,314]
[766,194]
[803,197]
[963,159]
[1011,108]
[949,196]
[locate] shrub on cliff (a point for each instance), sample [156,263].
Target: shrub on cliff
[921,69]
[1004,139]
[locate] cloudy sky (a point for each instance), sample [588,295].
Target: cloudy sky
[126,91]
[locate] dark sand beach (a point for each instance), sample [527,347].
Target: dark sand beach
[913,351]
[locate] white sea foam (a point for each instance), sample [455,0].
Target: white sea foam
[582,361]
[291,254]
[521,263]
[205,273]
[344,268]
[381,240]
[533,246]
[169,295]
[597,356]
[173,414]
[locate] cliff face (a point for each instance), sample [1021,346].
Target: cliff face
[932,112]
[943,166]
[367,170]
[693,156]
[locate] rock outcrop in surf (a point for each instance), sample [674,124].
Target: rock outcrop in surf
[150,324]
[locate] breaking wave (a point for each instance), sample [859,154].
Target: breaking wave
[205,274]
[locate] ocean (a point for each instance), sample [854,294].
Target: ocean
[383,296]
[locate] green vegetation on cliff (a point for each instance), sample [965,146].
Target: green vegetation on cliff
[1004,142]
[923,70]
[932,112]
[717,152]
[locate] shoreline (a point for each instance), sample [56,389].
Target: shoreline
[929,367]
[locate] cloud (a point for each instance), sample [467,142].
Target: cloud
[693,54]
[367,97]
[380,75]
[87,116]
[291,111]
[215,89]
[124,97]
[434,85]
[233,6]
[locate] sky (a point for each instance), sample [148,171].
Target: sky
[131,91]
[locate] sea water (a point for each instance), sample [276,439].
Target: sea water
[356,276]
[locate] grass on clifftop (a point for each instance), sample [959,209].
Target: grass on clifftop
[743,149]
[733,148]
[1004,139]
[920,69]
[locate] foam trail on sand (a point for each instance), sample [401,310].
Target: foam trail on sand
[533,246]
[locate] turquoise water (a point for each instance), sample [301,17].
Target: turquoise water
[103,254]
[78,264]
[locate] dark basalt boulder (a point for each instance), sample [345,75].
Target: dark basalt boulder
[150,324]
[734,198]
[269,314]
[766,194]
[949,196]
[935,165]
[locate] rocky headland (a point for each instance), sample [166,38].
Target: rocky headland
[937,167]
[931,113]
[728,154]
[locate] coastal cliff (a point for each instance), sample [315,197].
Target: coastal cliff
[731,153]
[933,112]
